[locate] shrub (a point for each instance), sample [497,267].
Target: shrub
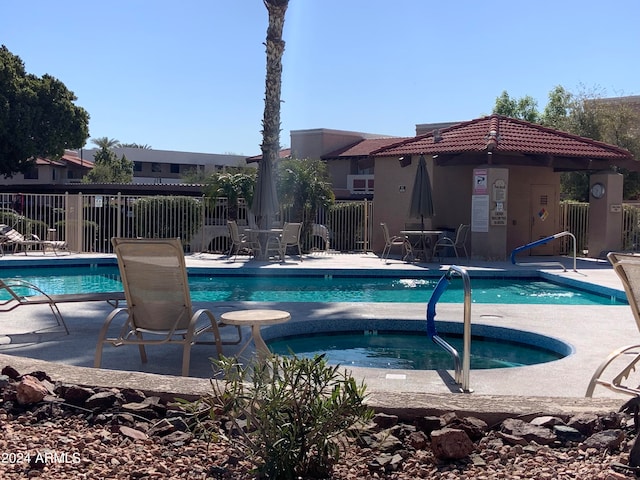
[168,217]
[289,416]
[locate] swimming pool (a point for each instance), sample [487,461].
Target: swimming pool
[323,288]
[410,350]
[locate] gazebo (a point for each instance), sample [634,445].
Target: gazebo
[499,174]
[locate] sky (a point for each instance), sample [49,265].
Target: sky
[189,75]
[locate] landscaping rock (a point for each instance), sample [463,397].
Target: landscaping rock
[451,444]
[527,431]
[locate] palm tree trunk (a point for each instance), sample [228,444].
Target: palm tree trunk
[273,85]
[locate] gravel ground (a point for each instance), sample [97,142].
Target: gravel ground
[70,447]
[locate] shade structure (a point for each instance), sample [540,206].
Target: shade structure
[421,197]
[265,198]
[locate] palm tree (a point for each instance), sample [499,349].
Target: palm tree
[105,143]
[273,83]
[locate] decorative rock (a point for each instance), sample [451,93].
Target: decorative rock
[607,439]
[386,442]
[418,440]
[451,444]
[101,400]
[10,372]
[132,433]
[567,434]
[585,423]
[385,421]
[4,381]
[512,439]
[76,395]
[30,390]
[528,432]
[429,423]
[547,421]
[475,427]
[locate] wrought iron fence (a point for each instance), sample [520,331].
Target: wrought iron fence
[87,222]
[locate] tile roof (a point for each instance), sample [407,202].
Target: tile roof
[509,136]
[363,148]
[284,153]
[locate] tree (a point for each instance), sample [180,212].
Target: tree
[107,168]
[586,114]
[233,185]
[106,143]
[273,85]
[525,108]
[304,186]
[136,145]
[37,117]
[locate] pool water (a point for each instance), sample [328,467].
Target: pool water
[216,288]
[410,351]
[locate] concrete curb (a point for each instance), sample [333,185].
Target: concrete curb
[491,408]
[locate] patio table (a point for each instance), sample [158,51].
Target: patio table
[422,246]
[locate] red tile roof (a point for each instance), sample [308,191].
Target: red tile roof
[363,148]
[509,136]
[284,153]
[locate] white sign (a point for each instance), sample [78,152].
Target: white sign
[480,213]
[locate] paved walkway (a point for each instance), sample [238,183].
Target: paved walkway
[28,337]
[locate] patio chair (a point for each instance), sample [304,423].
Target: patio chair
[624,359]
[394,241]
[12,237]
[156,288]
[460,242]
[290,237]
[320,232]
[241,242]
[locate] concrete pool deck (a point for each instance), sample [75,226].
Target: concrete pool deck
[29,339]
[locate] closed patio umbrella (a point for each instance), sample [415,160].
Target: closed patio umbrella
[421,200]
[265,198]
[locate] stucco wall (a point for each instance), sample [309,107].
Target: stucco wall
[452,191]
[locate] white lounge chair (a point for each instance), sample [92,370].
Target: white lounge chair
[156,287]
[622,361]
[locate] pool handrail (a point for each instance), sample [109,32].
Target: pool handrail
[461,368]
[543,241]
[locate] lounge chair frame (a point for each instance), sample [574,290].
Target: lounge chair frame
[156,288]
[11,237]
[627,267]
[15,286]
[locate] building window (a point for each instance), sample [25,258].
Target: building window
[175,168]
[31,174]
[156,167]
[137,166]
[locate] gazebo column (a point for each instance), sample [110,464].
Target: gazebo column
[489,213]
[605,214]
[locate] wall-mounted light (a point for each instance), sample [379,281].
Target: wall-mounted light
[405,161]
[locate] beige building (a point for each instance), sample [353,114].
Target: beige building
[499,175]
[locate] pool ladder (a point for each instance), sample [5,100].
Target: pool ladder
[461,367]
[543,241]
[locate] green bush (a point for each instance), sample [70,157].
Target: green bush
[168,217]
[289,416]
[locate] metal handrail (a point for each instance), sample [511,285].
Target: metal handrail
[461,368]
[542,241]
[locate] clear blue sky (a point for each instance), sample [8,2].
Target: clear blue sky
[189,75]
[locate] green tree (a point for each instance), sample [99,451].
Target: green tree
[273,85]
[234,185]
[587,114]
[38,117]
[108,168]
[525,108]
[106,143]
[136,145]
[304,186]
